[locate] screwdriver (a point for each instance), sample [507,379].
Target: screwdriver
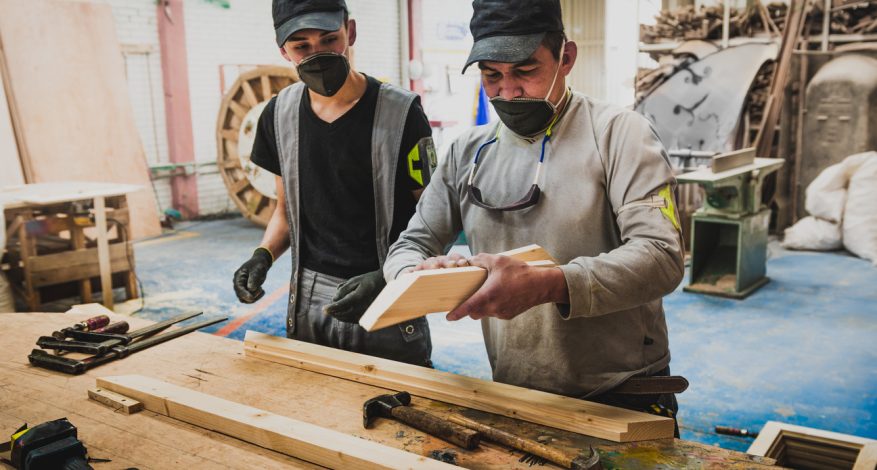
[91,324]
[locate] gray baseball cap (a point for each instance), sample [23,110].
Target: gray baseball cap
[511,30]
[291,16]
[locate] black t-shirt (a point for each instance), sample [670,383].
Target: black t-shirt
[336,187]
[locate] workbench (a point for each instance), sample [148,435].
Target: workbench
[217,366]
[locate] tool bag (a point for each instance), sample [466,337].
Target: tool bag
[51,445]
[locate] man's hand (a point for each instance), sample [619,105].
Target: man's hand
[355,295]
[512,287]
[453,260]
[249,277]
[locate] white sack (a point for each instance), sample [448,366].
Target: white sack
[860,213]
[826,195]
[811,233]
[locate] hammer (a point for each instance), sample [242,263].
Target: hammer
[396,406]
[574,461]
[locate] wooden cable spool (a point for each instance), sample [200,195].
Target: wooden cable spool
[251,188]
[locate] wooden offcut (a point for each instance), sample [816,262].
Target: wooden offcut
[571,414]
[731,160]
[289,436]
[69,102]
[415,294]
[114,400]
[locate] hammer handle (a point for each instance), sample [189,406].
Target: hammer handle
[432,425]
[490,433]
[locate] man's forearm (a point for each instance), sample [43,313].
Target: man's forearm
[276,237]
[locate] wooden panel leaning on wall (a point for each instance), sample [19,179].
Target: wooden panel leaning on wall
[73,118]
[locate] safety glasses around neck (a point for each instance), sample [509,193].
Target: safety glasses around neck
[533,194]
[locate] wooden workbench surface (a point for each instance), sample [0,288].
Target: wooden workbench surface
[217,366]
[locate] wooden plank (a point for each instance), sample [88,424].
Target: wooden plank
[731,160]
[76,264]
[75,116]
[89,309]
[770,116]
[114,400]
[593,419]
[307,441]
[413,295]
[59,192]
[77,235]
[103,251]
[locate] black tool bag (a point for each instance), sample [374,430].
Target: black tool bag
[51,445]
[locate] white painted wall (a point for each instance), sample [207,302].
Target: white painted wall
[231,39]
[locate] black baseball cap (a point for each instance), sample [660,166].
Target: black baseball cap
[295,15]
[511,30]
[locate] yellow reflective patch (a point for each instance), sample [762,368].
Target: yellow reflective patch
[414,173]
[669,209]
[19,434]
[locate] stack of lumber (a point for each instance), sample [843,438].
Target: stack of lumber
[808,448]
[706,22]
[592,419]
[847,17]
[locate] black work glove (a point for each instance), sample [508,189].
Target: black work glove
[249,277]
[355,295]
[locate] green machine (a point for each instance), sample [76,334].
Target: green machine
[729,233]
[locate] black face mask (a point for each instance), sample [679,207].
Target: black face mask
[324,73]
[524,116]
[528,116]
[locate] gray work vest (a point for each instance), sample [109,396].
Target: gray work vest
[391,113]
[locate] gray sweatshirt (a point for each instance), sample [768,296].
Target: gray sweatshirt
[607,216]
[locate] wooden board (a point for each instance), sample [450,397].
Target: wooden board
[42,194]
[215,366]
[413,295]
[593,419]
[307,441]
[731,160]
[803,447]
[73,112]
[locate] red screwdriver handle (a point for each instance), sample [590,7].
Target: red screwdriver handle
[119,327]
[94,323]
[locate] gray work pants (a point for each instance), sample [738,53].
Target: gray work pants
[407,342]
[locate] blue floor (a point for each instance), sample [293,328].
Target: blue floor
[801,350]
